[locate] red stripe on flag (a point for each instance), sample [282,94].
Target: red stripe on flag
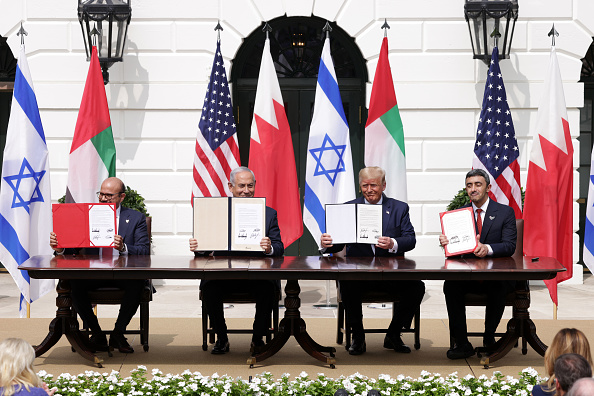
[200,184]
[210,169]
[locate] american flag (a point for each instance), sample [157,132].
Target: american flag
[217,151]
[496,148]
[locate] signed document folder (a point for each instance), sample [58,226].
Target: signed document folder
[229,223]
[80,225]
[458,226]
[354,223]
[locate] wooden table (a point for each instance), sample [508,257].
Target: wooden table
[291,269]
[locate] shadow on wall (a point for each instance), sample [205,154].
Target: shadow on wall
[133,100]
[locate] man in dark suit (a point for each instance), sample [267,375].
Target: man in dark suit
[132,239]
[398,236]
[242,183]
[496,237]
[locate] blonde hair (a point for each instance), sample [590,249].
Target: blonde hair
[372,172]
[565,341]
[16,366]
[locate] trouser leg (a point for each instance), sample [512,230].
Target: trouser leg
[410,295]
[212,297]
[265,295]
[454,292]
[497,292]
[132,295]
[82,303]
[350,292]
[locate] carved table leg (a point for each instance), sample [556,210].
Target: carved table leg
[293,324]
[65,323]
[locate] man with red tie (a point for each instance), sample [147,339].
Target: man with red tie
[496,237]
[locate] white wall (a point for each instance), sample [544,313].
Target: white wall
[155,95]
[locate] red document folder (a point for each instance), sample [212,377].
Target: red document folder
[471,236]
[71,224]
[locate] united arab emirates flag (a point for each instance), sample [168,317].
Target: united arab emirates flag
[384,134]
[93,154]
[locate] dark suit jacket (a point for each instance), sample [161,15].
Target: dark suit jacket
[499,229]
[272,231]
[132,228]
[395,224]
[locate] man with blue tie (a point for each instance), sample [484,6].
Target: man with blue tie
[496,237]
[132,239]
[398,236]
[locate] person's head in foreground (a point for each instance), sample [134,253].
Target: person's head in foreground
[565,341]
[582,387]
[16,367]
[569,368]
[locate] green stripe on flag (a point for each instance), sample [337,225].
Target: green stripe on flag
[393,123]
[105,147]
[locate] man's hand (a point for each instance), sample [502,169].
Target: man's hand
[481,250]
[443,240]
[118,242]
[266,244]
[326,241]
[385,243]
[49,391]
[54,242]
[193,244]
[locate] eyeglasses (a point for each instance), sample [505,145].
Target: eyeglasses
[109,197]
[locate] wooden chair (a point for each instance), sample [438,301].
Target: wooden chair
[373,297]
[208,334]
[518,296]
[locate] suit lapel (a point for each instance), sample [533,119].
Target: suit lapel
[386,210]
[122,223]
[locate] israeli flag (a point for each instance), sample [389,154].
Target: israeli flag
[25,201]
[589,229]
[329,172]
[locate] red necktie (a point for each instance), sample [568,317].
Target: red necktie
[479,221]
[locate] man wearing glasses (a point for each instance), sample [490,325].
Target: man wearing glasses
[132,239]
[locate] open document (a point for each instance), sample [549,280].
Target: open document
[458,226]
[79,225]
[354,223]
[225,223]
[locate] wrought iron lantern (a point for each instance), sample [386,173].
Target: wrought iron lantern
[488,22]
[104,23]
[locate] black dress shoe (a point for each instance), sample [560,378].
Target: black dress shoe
[220,347]
[117,340]
[257,346]
[461,352]
[98,343]
[357,347]
[395,342]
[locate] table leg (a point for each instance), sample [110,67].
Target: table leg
[65,323]
[293,325]
[519,326]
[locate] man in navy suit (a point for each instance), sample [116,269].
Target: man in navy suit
[242,183]
[398,236]
[496,237]
[132,239]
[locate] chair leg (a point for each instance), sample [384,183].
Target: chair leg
[144,325]
[204,328]
[340,324]
[417,321]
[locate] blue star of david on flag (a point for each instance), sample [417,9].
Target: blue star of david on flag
[317,153]
[14,181]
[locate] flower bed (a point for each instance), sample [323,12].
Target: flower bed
[187,383]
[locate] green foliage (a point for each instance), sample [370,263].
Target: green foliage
[194,384]
[132,200]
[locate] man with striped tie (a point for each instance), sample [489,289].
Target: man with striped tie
[496,237]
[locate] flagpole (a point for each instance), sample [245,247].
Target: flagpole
[552,34]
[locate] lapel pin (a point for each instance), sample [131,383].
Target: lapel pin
[128,220]
[491,217]
[387,212]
